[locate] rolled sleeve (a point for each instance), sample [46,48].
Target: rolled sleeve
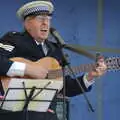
[86,82]
[17,69]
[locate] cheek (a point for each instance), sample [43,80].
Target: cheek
[34,32]
[33,28]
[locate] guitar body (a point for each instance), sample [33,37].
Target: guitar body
[46,62]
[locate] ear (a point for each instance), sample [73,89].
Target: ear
[27,25]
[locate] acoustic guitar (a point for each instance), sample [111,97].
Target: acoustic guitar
[55,71]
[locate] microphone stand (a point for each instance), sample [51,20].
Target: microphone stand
[64,64]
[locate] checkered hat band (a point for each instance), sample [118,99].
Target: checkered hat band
[38,13]
[35,10]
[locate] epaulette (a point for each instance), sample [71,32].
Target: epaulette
[13,33]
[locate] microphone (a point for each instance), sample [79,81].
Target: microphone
[57,36]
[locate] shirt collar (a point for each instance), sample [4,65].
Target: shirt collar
[42,43]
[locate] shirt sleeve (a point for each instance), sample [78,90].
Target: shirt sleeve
[17,69]
[86,82]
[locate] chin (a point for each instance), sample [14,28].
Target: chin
[44,37]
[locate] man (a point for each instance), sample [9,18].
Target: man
[33,45]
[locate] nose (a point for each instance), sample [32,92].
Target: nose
[43,18]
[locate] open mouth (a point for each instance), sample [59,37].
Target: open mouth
[44,30]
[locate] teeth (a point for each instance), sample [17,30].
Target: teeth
[43,30]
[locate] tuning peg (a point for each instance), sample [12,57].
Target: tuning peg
[98,56]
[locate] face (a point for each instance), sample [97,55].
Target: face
[38,26]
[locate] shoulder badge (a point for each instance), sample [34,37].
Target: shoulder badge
[7,47]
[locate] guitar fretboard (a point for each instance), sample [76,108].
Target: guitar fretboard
[113,63]
[75,69]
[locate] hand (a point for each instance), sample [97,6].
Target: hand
[35,71]
[99,70]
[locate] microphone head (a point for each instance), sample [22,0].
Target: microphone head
[52,30]
[57,36]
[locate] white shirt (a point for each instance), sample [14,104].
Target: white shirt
[17,69]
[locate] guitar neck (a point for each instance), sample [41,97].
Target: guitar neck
[81,68]
[76,69]
[113,64]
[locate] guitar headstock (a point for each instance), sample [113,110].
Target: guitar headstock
[113,63]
